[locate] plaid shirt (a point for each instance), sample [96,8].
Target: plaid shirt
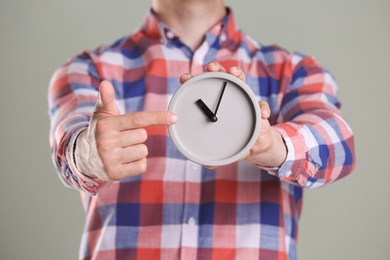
[178,209]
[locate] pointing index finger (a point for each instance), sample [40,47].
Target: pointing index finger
[143,119]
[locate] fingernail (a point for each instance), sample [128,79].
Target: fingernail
[234,70]
[171,119]
[264,114]
[99,102]
[184,76]
[211,63]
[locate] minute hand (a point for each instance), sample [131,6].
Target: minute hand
[220,98]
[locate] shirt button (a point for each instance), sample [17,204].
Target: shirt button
[191,221]
[170,35]
[288,174]
[271,173]
[223,37]
[194,167]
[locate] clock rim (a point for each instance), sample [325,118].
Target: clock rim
[256,129]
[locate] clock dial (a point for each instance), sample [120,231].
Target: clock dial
[215,142]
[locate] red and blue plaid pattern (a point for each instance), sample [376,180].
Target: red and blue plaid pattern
[178,209]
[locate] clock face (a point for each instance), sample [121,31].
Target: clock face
[218,119]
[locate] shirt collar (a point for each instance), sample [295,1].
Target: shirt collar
[226,30]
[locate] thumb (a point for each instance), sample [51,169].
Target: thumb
[265,109]
[106,99]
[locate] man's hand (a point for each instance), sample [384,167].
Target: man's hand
[112,148]
[269,149]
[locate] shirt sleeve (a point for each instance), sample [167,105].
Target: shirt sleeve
[73,91]
[320,143]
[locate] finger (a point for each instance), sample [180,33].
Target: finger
[237,71]
[211,167]
[106,99]
[124,170]
[245,156]
[134,168]
[143,119]
[126,154]
[184,77]
[132,137]
[214,66]
[265,109]
[132,153]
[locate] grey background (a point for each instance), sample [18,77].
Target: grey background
[40,219]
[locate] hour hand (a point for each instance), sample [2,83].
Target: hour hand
[206,110]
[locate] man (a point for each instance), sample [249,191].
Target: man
[143,199]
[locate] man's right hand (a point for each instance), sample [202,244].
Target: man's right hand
[112,148]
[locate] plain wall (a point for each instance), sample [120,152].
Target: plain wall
[41,219]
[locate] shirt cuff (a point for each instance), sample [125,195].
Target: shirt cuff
[86,183]
[294,164]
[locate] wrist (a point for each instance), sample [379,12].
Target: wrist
[279,149]
[272,154]
[81,151]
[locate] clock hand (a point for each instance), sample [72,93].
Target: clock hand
[220,98]
[206,110]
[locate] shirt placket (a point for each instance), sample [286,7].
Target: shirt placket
[193,171]
[190,221]
[197,62]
